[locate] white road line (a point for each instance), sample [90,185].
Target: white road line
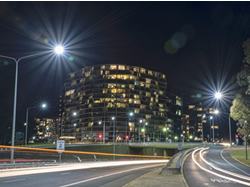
[72,184]
[14,180]
[66,173]
[232,164]
[219,175]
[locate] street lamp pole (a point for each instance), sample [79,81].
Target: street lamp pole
[15,100]
[230,136]
[113,118]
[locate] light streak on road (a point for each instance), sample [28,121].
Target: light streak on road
[75,166]
[82,152]
[79,182]
[219,175]
[222,170]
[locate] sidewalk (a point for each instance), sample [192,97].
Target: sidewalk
[155,178]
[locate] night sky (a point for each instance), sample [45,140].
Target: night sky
[196,44]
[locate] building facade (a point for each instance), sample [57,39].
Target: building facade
[174,105]
[200,121]
[121,101]
[46,129]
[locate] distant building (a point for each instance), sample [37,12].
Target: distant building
[174,105]
[45,129]
[200,118]
[129,100]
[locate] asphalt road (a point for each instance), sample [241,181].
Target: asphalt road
[114,176]
[215,172]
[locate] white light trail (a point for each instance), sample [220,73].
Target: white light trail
[76,166]
[222,170]
[222,176]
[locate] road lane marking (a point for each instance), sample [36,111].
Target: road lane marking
[232,164]
[210,168]
[66,173]
[14,180]
[219,175]
[87,180]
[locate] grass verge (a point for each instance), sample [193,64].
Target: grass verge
[241,156]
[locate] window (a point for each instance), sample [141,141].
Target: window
[148,94]
[142,84]
[105,91]
[143,107]
[150,72]
[73,83]
[147,85]
[72,75]
[69,92]
[131,86]
[137,83]
[87,74]
[120,67]
[136,69]
[137,101]
[148,116]
[178,112]
[102,67]
[107,72]
[199,109]
[113,67]
[131,100]
[191,106]
[136,96]
[148,80]
[136,110]
[161,92]
[143,70]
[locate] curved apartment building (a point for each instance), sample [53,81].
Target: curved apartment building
[126,101]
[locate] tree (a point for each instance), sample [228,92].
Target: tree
[240,110]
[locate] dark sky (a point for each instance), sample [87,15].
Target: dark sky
[196,44]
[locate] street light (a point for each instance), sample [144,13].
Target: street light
[218,95]
[15,93]
[27,119]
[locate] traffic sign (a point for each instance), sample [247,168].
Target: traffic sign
[60,145]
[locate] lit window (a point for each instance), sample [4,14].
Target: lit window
[105,91]
[142,84]
[148,80]
[136,110]
[136,96]
[87,74]
[147,85]
[120,67]
[72,75]
[191,106]
[113,67]
[136,69]
[73,83]
[148,116]
[143,70]
[199,109]
[150,72]
[69,92]
[131,100]
[148,94]
[137,83]
[161,92]
[137,101]
[102,67]
[107,72]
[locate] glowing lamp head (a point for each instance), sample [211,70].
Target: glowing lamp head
[44,105]
[217,95]
[59,49]
[216,111]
